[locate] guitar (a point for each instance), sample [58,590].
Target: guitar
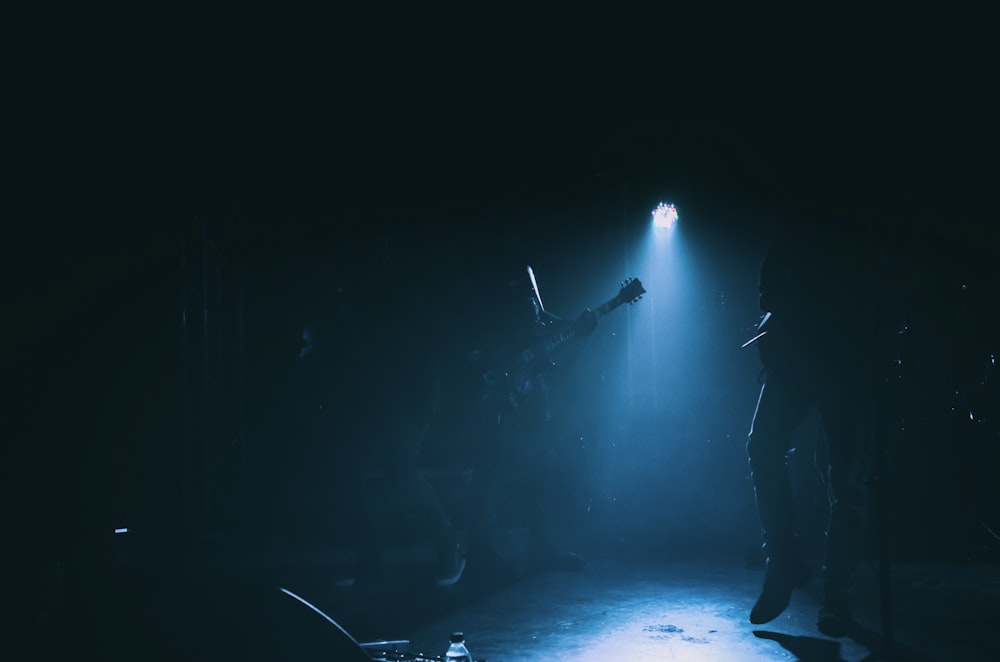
[536,358]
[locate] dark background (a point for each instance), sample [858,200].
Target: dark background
[494,144]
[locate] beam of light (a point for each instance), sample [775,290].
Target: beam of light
[665,215]
[534,286]
[659,256]
[122,529]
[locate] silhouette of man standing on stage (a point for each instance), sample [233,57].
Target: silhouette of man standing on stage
[817,347]
[369,385]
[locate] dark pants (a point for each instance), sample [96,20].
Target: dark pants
[518,474]
[844,406]
[380,486]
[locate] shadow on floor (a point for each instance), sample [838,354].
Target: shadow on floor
[806,649]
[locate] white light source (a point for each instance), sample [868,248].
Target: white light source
[664,215]
[122,529]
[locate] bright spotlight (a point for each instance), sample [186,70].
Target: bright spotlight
[665,215]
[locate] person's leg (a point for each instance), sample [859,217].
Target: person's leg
[505,498]
[847,421]
[781,407]
[448,550]
[359,519]
[419,500]
[534,458]
[492,481]
[548,549]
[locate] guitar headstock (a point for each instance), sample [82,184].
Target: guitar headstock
[631,291]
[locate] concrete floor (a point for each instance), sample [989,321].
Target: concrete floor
[697,610]
[228,605]
[657,608]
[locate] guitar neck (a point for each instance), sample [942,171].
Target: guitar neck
[556,339]
[607,306]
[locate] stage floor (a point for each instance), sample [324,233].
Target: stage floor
[228,604]
[657,608]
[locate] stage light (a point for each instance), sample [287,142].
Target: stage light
[665,215]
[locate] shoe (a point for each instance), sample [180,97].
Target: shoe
[779,582]
[452,567]
[835,619]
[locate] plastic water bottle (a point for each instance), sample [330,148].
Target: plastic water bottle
[457,652]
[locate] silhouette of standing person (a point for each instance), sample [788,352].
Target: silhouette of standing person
[372,381]
[818,350]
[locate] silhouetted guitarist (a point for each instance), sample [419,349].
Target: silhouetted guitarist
[518,468]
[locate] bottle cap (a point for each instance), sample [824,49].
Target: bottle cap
[457,637]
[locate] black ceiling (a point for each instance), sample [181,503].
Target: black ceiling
[117,147]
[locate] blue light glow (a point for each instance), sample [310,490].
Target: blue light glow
[123,529]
